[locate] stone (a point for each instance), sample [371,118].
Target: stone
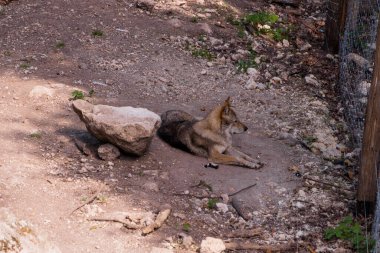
[161,250]
[253,73]
[285,43]
[108,152]
[221,207]
[20,236]
[305,47]
[130,129]
[205,28]
[175,22]
[151,186]
[41,91]
[212,245]
[187,240]
[276,80]
[358,60]
[311,79]
[293,3]
[146,5]
[215,42]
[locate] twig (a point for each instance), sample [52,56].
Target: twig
[239,191]
[160,219]
[310,249]
[325,183]
[126,224]
[245,233]
[253,246]
[191,195]
[90,200]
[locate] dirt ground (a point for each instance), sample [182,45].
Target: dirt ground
[141,61]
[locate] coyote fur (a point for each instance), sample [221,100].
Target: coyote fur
[210,137]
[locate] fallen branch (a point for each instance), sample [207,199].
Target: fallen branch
[160,219]
[239,191]
[90,200]
[253,246]
[245,233]
[125,223]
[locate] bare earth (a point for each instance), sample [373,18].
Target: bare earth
[140,61]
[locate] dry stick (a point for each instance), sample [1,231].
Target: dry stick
[245,234]
[239,191]
[91,199]
[253,246]
[192,195]
[325,183]
[125,223]
[160,219]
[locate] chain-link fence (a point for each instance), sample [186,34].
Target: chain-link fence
[357,48]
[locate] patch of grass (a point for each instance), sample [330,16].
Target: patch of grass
[102,199]
[309,139]
[194,19]
[91,93]
[60,44]
[202,38]
[97,33]
[262,18]
[351,231]
[24,65]
[243,65]
[202,53]
[211,204]
[7,53]
[77,94]
[36,135]
[186,227]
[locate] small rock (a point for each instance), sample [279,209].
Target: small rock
[205,28]
[311,79]
[212,245]
[108,152]
[215,42]
[187,240]
[161,250]
[146,5]
[41,91]
[305,47]
[151,186]
[358,60]
[285,43]
[203,72]
[253,73]
[222,207]
[225,198]
[209,64]
[276,80]
[175,22]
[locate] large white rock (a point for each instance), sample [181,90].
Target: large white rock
[212,245]
[18,236]
[131,129]
[41,91]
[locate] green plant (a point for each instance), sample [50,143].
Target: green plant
[309,139]
[91,93]
[262,18]
[243,65]
[194,19]
[202,53]
[7,53]
[60,44]
[24,65]
[77,94]
[350,231]
[211,204]
[202,38]
[186,227]
[36,135]
[97,33]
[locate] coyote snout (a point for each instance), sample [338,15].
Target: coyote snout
[210,137]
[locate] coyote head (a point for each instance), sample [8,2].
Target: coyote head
[230,120]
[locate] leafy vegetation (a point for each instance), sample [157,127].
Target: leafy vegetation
[24,65]
[202,53]
[97,33]
[261,23]
[77,94]
[186,227]
[60,44]
[351,231]
[243,65]
[211,204]
[36,135]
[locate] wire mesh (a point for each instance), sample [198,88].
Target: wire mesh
[357,50]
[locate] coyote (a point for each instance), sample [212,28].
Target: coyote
[210,137]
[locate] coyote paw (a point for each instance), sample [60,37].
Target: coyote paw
[212,165]
[255,165]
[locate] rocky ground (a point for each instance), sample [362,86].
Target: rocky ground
[162,55]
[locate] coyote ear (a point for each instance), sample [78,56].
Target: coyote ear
[227,102]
